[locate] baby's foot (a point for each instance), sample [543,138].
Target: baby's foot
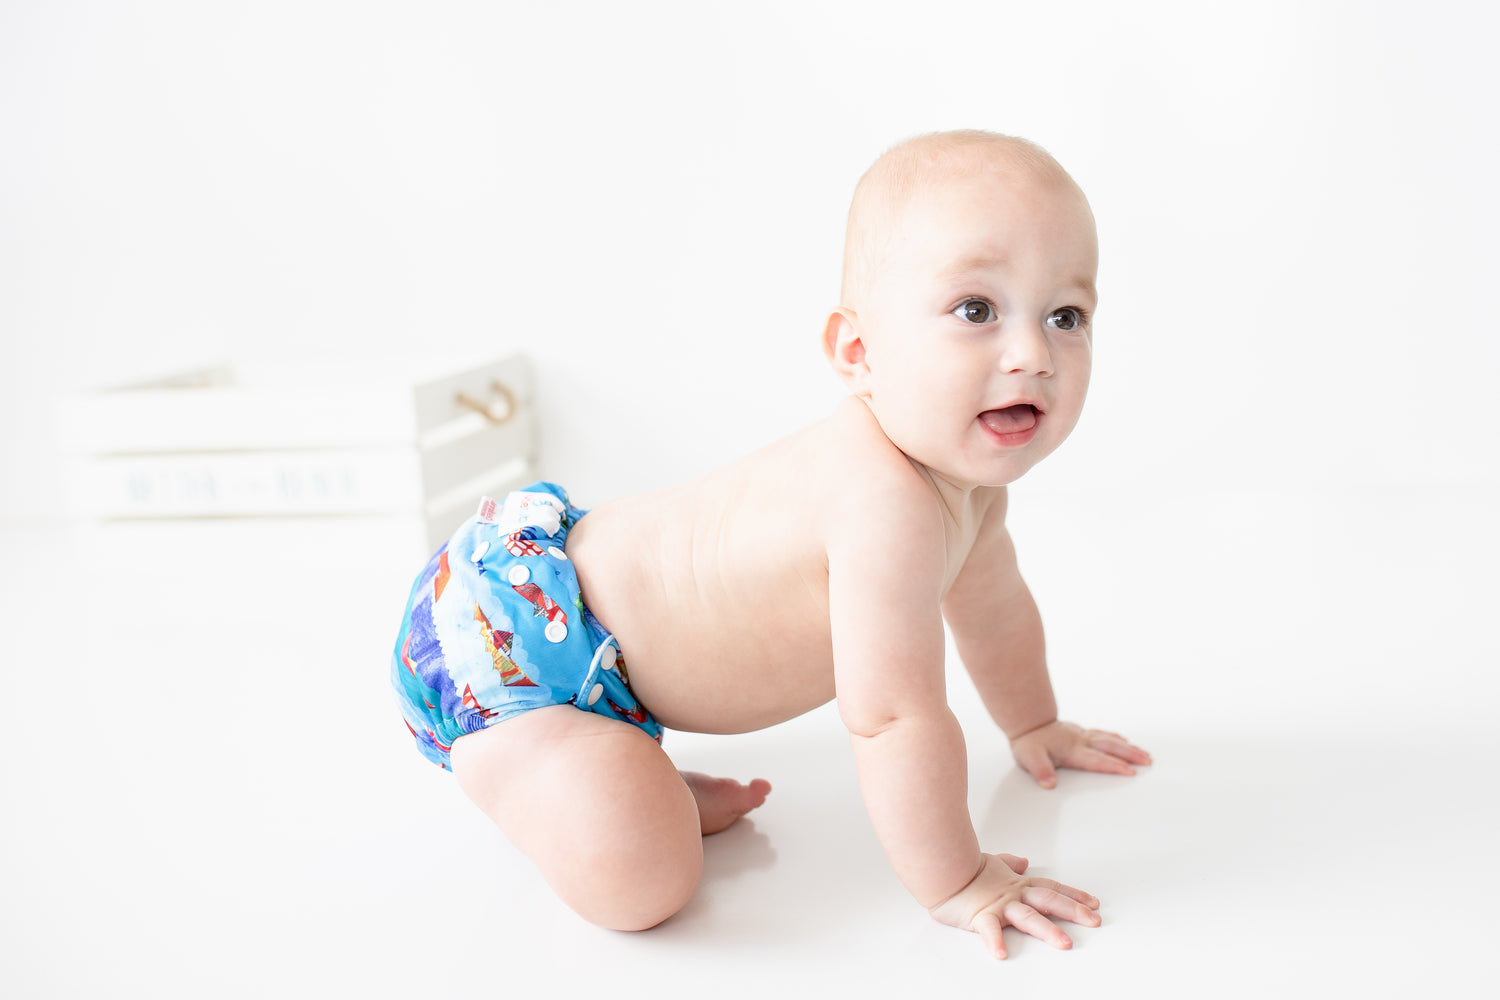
[721,801]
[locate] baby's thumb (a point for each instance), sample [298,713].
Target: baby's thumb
[1038,763]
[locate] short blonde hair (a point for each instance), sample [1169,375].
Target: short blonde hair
[904,172]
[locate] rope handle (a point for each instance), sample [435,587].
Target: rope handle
[506,403]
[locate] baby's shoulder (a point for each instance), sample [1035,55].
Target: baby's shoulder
[840,479]
[869,476]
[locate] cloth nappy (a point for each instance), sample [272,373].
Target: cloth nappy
[496,626]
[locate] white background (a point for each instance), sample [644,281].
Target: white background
[1266,553]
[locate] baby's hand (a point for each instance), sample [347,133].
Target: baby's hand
[1002,894]
[1063,744]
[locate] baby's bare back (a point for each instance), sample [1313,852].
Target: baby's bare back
[717,589]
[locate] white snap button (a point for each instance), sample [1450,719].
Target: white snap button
[595,693]
[555,631]
[479,551]
[518,575]
[557,553]
[607,661]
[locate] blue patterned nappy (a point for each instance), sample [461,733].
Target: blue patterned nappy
[495,626]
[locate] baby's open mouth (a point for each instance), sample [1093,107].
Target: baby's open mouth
[1011,420]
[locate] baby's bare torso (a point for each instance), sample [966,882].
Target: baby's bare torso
[717,589]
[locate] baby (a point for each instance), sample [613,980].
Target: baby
[964,339]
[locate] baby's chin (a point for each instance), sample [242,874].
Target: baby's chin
[982,458]
[979,474]
[1007,469]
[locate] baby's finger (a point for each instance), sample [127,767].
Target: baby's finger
[1092,902]
[1089,759]
[1015,864]
[1024,918]
[987,926]
[1113,743]
[1055,904]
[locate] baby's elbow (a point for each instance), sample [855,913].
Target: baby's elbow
[868,724]
[870,721]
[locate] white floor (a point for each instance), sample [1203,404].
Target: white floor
[208,794]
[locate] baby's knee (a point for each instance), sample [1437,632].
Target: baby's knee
[598,808]
[643,888]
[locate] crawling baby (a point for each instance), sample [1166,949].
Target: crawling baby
[964,338]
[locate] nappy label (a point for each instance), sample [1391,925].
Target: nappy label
[523,510]
[487,507]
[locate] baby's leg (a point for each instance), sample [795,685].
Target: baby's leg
[600,810]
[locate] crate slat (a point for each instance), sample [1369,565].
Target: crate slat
[223,444]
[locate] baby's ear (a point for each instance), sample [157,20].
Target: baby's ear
[845,350]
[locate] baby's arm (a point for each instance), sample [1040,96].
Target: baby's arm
[885,569]
[885,566]
[998,632]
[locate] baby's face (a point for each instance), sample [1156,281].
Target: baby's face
[977,325]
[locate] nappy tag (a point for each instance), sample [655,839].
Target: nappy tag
[526,509]
[487,507]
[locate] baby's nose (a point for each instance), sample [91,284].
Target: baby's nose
[1025,351]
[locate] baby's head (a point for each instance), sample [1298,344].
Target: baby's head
[967,298]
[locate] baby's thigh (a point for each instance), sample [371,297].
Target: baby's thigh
[595,804]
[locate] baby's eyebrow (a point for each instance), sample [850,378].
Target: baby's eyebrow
[1086,285]
[980,262]
[972,264]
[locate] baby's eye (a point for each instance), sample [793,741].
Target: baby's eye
[1066,318]
[975,311]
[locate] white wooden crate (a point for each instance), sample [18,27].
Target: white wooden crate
[248,441]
